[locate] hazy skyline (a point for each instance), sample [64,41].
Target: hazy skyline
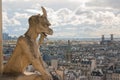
[70,18]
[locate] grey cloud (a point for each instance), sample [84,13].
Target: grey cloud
[81,21]
[105,3]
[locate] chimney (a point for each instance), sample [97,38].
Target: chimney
[103,38]
[111,37]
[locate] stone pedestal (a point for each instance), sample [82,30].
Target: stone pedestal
[22,77]
[7,78]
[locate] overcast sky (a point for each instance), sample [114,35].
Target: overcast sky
[69,18]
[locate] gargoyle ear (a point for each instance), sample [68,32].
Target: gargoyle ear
[44,12]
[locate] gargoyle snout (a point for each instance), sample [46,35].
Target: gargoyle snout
[50,31]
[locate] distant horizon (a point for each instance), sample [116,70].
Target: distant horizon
[76,38]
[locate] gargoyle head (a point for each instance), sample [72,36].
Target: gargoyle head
[40,23]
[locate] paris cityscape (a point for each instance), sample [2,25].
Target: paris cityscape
[82,39]
[77,59]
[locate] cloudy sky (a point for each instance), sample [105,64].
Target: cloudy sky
[69,18]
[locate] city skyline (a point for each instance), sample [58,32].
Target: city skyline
[74,19]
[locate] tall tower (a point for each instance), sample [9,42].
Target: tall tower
[103,38]
[111,37]
[68,54]
[1,55]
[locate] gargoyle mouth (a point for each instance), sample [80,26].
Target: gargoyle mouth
[44,33]
[49,32]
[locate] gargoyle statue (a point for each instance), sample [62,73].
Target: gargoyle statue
[27,49]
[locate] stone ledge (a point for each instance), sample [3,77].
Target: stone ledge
[7,78]
[30,76]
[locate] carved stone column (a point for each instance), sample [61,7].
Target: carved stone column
[1,55]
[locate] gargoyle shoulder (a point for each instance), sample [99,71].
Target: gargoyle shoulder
[21,40]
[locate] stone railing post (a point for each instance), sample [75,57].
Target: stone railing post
[1,54]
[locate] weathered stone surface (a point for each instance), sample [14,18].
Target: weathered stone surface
[7,78]
[22,77]
[27,51]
